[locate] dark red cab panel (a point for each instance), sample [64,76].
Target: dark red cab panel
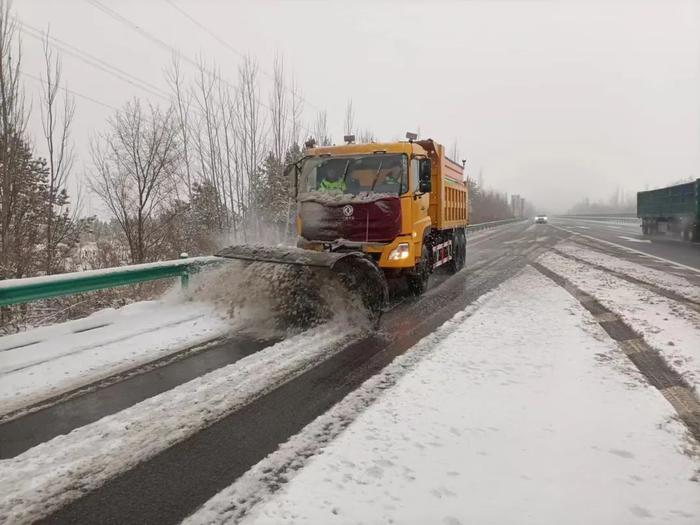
[371,220]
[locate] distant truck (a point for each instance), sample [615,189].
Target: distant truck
[674,210]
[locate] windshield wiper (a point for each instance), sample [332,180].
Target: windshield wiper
[376,175]
[345,173]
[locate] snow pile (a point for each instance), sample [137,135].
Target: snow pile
[48,361]
[523,412]
[664,280]
[48,476]
[337,198]
[670,327]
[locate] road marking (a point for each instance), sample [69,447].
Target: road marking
[674,263]
[632,239]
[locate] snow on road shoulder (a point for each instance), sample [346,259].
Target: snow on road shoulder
[665,280]
[48,476]
[47,361]
[519,410]
[670,327]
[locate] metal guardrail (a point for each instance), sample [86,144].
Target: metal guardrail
[485,225]
[619,218]
[17,291]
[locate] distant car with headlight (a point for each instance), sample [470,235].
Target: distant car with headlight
[540,219]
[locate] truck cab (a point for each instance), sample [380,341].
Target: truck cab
[367,197]
[403,204]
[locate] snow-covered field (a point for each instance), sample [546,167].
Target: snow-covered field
[47,361]
[519,410]
[670,327]
[54,473]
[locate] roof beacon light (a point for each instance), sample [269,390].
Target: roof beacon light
[349,139]
[411,136]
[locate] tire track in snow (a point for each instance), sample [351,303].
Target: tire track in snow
[693,305]
[647,360]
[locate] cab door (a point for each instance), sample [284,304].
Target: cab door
[419,207]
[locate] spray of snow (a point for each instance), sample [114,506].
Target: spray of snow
[267,300]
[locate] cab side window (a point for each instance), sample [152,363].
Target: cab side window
[415,170]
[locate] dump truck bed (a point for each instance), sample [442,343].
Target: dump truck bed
[679,201]
[449,196]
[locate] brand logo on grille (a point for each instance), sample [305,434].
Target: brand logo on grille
[348,210]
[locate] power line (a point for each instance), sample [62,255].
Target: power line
[224,43]
[92,60]
[70,91]
[125,21]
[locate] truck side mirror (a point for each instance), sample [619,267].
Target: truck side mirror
[424,185]
[293,169]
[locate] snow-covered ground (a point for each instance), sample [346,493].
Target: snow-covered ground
[670,327]
[47,361]
[664,280]
[45,477]
[519,410]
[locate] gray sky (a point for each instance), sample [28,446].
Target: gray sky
[555,100]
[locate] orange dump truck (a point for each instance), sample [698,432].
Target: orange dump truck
[377,212]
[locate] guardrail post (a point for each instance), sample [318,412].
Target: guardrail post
[185,277]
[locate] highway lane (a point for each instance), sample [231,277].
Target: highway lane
[92,402]
[157,491]
[630,236]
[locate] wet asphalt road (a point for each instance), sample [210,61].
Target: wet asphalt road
[630,235]
[174,483]
[120,392]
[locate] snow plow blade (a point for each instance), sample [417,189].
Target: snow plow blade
[302,302]
[285,255]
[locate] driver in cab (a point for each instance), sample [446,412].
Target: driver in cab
[332,179]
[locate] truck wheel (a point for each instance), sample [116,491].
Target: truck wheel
[459,251]
[418,281]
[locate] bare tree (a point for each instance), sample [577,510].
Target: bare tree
[454,151]
[208,140]
[56,120]
[296,113]
[135,166]
[13,122]
[182,102]
[366,136]
[321,129]
[278,111]
[251,127]
[349,124]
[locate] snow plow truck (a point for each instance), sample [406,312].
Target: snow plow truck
[371,214]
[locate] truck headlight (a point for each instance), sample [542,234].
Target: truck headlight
[399,253]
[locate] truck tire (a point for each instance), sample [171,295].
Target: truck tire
[459,251]
[418,281]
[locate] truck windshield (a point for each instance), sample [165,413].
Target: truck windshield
[376,173]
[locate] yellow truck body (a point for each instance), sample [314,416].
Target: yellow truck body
[425,217]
